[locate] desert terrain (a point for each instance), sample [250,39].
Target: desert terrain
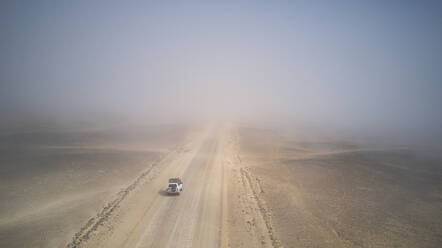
[289,124]
[244,186]
[321,192]
[52,180]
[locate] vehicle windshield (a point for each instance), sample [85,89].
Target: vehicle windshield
[172,185]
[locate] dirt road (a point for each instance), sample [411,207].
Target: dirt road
[144,216]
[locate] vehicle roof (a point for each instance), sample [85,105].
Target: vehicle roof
[175,180]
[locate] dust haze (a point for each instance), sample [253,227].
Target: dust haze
[287,106]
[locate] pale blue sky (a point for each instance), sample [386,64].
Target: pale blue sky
[369,65]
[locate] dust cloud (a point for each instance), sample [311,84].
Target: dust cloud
[351,68]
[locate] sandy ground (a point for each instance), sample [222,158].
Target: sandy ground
[52,181]
[244,187]
[325,193]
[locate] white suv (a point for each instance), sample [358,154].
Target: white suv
[175,186]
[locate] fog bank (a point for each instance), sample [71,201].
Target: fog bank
[367,69]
